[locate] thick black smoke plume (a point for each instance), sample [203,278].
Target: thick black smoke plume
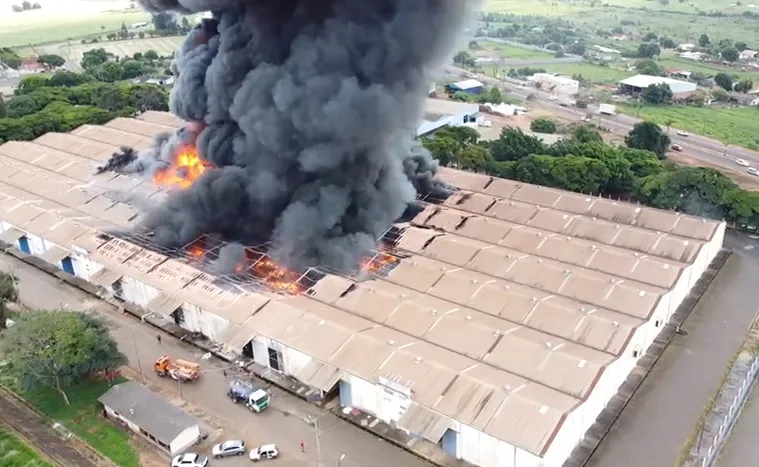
[308,111]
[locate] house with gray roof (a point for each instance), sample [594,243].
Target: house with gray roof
[148,414]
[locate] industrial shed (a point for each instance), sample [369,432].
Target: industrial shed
[510,316]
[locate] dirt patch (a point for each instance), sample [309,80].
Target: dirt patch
[744,180]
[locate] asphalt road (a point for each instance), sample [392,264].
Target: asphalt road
[283,424]
[661,416]
[698,147]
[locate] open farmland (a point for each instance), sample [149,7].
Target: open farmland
[739,126]
[510,51]
[162,45]
[14,453]
[672,61]
[55,25]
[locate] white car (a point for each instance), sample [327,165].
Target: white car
[742,162]
[683,133]
[753,171]
[267,451]
[189,459]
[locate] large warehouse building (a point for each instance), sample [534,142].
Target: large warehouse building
[500,325]
[636,84]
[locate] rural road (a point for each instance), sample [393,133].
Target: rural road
[698,147]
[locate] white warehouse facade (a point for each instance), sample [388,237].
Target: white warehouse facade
[501,325]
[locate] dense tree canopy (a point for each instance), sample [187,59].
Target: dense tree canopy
[657,93]
[724,81]
[58,348]
[650,137]
[543,125]
[582,162]
[40,108]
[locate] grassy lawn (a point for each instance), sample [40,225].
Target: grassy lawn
[510,51]
[705,68]
[739,126]
[594,73]
[83,418]
[25,29]
[15,453]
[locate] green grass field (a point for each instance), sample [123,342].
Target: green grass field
[16,30]
[595,73]
[511,51]
[15,453]
[739,126]
[83,419]
[669,61]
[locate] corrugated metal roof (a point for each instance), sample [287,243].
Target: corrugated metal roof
[511,302]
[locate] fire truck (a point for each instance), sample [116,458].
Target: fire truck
[180,370]
[256,399]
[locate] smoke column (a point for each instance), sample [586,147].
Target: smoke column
[307,109]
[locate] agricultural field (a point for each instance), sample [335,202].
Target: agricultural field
[679,21]
[510,51]
[15,453]
[596,74]
[162,45]
[672,61]
[739,126]
[41,26]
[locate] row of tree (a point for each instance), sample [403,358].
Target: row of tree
[42,106]
[584,163]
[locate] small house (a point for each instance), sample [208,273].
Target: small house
[744,99]
[748,54]
[470,86]
[146,413]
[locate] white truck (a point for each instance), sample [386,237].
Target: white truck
[607,109]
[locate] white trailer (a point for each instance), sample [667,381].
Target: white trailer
[607,109]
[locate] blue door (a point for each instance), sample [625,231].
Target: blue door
[346,395]
[449,443]
[23,245]
[67,265]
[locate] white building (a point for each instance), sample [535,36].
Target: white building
[439,113]
[510,317]
[560,85]
[150,416]
[638,83]
[686,47]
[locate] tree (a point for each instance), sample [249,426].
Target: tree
[495,96]
[473,45]
[150,55]
[744,86]
[730,54]
[578,48]
[56,348]
[473,158]
[651,36]
[667,43]
[513,144]
[94,57]
[10,57]
[648,50]
[724,81]
[720,95]
[8,295]
[26,5]
[649,136]
[657,93]
[165,23]
[3,111]
[464,59]
[741,46]
[543,125]
[703,40]
[50,60]
[648,67]
[586,134]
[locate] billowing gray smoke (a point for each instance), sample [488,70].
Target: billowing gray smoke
[308,111]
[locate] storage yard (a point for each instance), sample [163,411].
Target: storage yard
[496,323]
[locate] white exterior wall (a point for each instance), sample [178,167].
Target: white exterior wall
[185,439]
[36,245]
[260,350]
[137,292]
[363,393]
[198,320]
[84,267]
[293,360]
[113,414]
[484,450]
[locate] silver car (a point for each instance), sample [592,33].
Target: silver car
[233,447]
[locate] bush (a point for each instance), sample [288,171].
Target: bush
[543,125]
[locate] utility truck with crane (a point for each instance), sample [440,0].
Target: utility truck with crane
[180,370]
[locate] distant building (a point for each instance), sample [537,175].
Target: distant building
[148,414]
[31,65]
[698,56]
[607,50]
[636,85]
[470,86]
[555,84]
[678,73]
[686,47]
[748,54]
[749,100]
[439,113]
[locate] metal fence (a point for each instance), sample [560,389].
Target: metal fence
[731,417]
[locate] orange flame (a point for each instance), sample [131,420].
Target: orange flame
[378,263]
[185,169]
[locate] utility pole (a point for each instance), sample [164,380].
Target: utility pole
[314,422]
